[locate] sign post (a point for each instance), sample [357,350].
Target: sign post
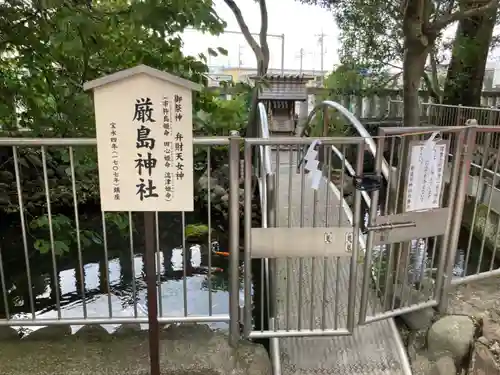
[144,133]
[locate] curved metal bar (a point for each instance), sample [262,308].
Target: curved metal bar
[264,129]
[354,122]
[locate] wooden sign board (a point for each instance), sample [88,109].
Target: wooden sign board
[144,140]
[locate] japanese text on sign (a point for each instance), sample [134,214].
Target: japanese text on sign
[425,175]
[145,144]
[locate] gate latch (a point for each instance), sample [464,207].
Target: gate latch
[382,229]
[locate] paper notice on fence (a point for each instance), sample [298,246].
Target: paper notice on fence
[425,178]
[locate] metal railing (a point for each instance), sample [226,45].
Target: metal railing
[482,205]
[42,187]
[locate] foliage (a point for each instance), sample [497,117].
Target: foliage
[194,232]
[222,116]
[49,49]
[64,234]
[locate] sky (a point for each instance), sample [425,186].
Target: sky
[300,23]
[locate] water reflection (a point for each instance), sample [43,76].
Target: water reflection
[424,255]
[126,276]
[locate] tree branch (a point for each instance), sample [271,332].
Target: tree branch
[458,15]
[264,47]
[244,29]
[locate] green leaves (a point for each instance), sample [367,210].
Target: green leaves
[49,50]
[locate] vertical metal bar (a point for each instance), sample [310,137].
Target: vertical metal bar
[149,259]
[184,264]
[4,288]
[457,193]
[353,278]
[77,228]
[51,231]
[132,260]
[23,231]
[301,260]
[477,202]
[369,242]
[106,263]
[247,262]
[234,245]
[209,209]
[158,262]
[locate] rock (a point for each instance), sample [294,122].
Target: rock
[444,366]
[483,361]
[93,332]
[491,329]
[8,333]
[421,365]
[405,295]
[128,329]
[50,333]
[452,336]
[187,330]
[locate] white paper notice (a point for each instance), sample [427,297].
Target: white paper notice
[425,175]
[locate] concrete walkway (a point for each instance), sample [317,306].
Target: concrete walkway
[186,349]
[372,349]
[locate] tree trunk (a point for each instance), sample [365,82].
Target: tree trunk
[413,70]
[464,80]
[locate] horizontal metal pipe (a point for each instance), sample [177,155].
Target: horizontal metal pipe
[115,320]
[286,141]
[476,277]
[199,141]
[299,333]
[400,311]
[420,129]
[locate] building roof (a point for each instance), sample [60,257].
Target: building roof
[141,69]
[285,77]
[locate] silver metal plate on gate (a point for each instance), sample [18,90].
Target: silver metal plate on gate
[423,224]
[301,242]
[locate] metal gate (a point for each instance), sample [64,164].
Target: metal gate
[411,226]
[478,211]
[309,249]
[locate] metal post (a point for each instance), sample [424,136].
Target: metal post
[149,260]
[458,197]
[234,237]
[270,269]
[282,54]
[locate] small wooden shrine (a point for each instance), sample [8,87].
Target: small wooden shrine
[279,94]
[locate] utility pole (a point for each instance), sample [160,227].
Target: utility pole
[301,58]
[321,39]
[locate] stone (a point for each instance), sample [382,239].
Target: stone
[128,329]
[421,365]
[93,332]
[50,333]
[444,366]
[483,361]
[191,352]
[491,329]
[8,333]
[452,336]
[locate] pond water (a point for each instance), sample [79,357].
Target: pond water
[126,277]
[122,290]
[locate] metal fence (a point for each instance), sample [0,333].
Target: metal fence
[47,176]
[326,292]
[448,115]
